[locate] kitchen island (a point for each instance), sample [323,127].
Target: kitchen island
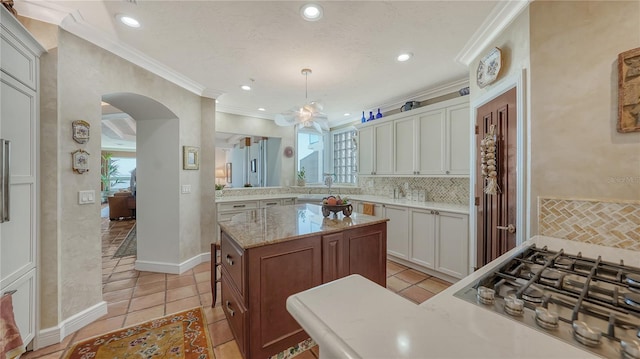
[271,253]
[345,319]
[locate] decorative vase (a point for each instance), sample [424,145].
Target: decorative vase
[218,193]
[301,182]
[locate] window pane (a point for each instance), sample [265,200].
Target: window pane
[344,156]
[310,155]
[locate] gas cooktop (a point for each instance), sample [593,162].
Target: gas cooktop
[587,302]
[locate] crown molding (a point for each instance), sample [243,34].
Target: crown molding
[500,17]
[73,22]
[244,112]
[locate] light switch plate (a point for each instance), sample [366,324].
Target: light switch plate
[86,197]
[185,188]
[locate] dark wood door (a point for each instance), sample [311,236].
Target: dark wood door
[495,213]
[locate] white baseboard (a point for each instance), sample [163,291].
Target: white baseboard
[55,335]
[172,268]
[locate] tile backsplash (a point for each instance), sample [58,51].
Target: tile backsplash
[444,190]
[607,223]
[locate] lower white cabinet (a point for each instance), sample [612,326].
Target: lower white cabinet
[397,231]
[452,247]
[423,237]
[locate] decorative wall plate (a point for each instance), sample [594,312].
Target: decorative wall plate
[288,152]
[489,67]
[81,131]
[80,161]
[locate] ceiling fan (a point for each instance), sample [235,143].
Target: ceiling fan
[309,115]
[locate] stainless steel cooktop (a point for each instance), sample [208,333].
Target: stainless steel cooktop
[587,302]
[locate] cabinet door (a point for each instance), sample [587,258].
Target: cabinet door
[274,273]
[397,231]
[365,151]
[423,237]
[270,203]
[452,244]
[334,257]
[432,135]
[366,252]
[383,149]
[458,145]
[405,146]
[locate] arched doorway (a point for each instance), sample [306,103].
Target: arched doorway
[158,166]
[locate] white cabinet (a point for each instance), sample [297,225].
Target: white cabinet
[375,149]
[19,123]
[423,237]
[452,247]
[397,231]
[430,141]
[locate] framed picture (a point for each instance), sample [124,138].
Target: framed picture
[80,131]
[191,158]
[489,67]
[629,91]
[254,165]
[228,168]
[80,161]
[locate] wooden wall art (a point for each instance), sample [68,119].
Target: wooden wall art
[629,91]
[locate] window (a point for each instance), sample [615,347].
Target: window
[338,157]
[122,177]
[344,156]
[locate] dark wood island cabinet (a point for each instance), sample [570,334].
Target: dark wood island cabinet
[271,253]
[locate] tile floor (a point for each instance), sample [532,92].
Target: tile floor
[133,296]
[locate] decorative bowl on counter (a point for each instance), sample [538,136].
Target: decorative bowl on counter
[346,209]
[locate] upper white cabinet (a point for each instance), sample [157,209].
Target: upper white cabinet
[430,141]
[375,149]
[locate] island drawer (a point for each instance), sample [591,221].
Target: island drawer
[234,206]
[232,258]
[270,203]
[236,314]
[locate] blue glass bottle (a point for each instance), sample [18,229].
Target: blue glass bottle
[364,119]
[379,115]
[371,118]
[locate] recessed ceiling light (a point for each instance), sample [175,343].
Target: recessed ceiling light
[347,114]
[128,20]
[217,101]
[311,12]
[261,109]
[246,87]
[404,57]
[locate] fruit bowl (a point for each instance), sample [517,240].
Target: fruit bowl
[346,209]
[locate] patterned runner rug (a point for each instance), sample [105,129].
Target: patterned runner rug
[128,247]
[182,335]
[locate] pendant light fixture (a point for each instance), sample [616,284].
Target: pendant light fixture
[308,115]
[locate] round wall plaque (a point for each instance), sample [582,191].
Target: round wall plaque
[288,152]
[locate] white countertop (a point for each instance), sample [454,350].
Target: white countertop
[438,206]
[355,318]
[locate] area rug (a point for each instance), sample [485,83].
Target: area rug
[129,246]
[182,335]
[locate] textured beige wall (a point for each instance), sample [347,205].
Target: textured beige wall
[576,151]
[71,232]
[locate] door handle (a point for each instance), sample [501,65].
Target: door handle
[511,228]
[5,174]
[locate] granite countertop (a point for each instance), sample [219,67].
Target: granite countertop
[264,226]
[438,206]
[345,319]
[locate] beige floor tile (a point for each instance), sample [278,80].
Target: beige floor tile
[151,278]
[433,285]
[127,260]
[116,276]
[227,350]
[181,293]
[396,284]
[122,268]
[394,267]
[214,314]
[416,294]
[203,277]
[118,285]
[202,267]
[117,295]
[182,304]
[144,315]
[412,276]
[116,309]
[99,327]
[206,299]
[150,288]
[178,282]
[204,287]
[220,332]
[147,301]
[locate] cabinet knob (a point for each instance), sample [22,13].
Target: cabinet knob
[447,172]
[437,212]
[229,260]
[417,172]
[239,205]
[231,311]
